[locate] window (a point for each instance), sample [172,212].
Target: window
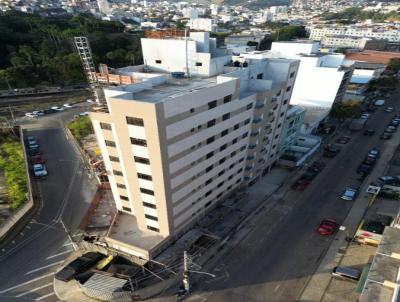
[249,106]
[210,140]
[212,105]
[144,176]
[234,141]
[231,166]
[222,160]
[114,158]
[221,173]
[199,64]
[146,191]
[240,170]
[209,168]
[228,98]
[289,87]
[124,197]
[260,76]
[110,143]
[134,121]
[208,194]
[223,147]
[233,153]
[153,229]
[292,74]
[274,146]
[285,102]
[158,62]
[236,127]
[208,181]
[210,123]
[138,141]
[142,160]
[279,125]
[245,135]
[126,209]
[247,121]
[276,136]
[220,184]
[191,110]
[151,217]
[121,186]
[149,205]
[210,154]
[230,177]
[105,126]
[115,172]
[282,113]
[219,195]
[192,130]
[225,132]
[242,159]
[226,116]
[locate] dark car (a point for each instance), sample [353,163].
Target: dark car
[33,151]
[300,185]
[77,266]
[376,227]
[386,135]
[331,151]
[369,132]
[309,175]
[364,169]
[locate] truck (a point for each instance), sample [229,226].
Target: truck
[357,124]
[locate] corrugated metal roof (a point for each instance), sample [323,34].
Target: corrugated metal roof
[104,283]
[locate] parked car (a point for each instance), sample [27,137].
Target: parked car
[67,105]
[364,116]
[373,153]
[84,114]
[331,151]
[327,227]
[376,227]
[77,266]
[364,169]
[300,185]
[30,114]
[39,170]
[369,132]
[37,159]
[33,145]
[33,151]
[346,273]
[343,140]
[389,109]
[379,103]
[309,175]
[38,112]
[349,194]
[56,108]
[390,129]
[369,161]
[386,135]
[31,139]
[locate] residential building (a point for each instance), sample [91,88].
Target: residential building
[204,24]
[317,33]
[349,42]
[175,146]
[292,126]
[332,72]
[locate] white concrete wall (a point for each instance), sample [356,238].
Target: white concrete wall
[295,48]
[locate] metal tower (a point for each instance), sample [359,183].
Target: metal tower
[85,53]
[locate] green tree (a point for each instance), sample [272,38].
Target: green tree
[394,65]
[289,32]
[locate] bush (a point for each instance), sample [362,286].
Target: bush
[12,162]
[81,127]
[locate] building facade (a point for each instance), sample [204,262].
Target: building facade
[317,33]
[173,147]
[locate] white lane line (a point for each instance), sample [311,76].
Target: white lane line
[68,243]
[45,296]
[44,267]
[25,283]
[34,289]
[59,254]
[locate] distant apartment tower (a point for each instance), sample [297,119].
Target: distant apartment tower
[393,35]
[104,6]
[175,146]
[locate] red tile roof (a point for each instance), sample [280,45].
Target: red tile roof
[373,56]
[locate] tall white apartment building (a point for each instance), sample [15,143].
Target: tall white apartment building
[175,146]
[205,24]
[317,33]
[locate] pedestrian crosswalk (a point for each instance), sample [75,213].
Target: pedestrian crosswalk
[39,286]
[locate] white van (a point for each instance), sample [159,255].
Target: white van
[379,102]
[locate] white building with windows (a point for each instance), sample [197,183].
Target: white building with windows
[176,144]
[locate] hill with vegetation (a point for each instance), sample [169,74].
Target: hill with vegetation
[37,50]
[355,14]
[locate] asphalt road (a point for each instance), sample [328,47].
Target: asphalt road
[274,262]
[28,263]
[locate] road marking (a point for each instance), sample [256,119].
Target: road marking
[25,283]
[44,267]
[45,296]
[34,289]
[68,243]
[59,254]
[277,287]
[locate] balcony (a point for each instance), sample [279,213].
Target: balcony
[255,133]
[253,146]
[249,168]
[257,120]
[259,105]
[274,99]
[269,131]
[251,157]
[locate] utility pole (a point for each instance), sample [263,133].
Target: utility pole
[69,235]
[186,281]
[12,114]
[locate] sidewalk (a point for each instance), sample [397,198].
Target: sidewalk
[319,282]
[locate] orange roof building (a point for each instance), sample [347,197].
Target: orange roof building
[373,56]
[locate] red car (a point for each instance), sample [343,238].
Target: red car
[37,159]
[327,227]
[300,185]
